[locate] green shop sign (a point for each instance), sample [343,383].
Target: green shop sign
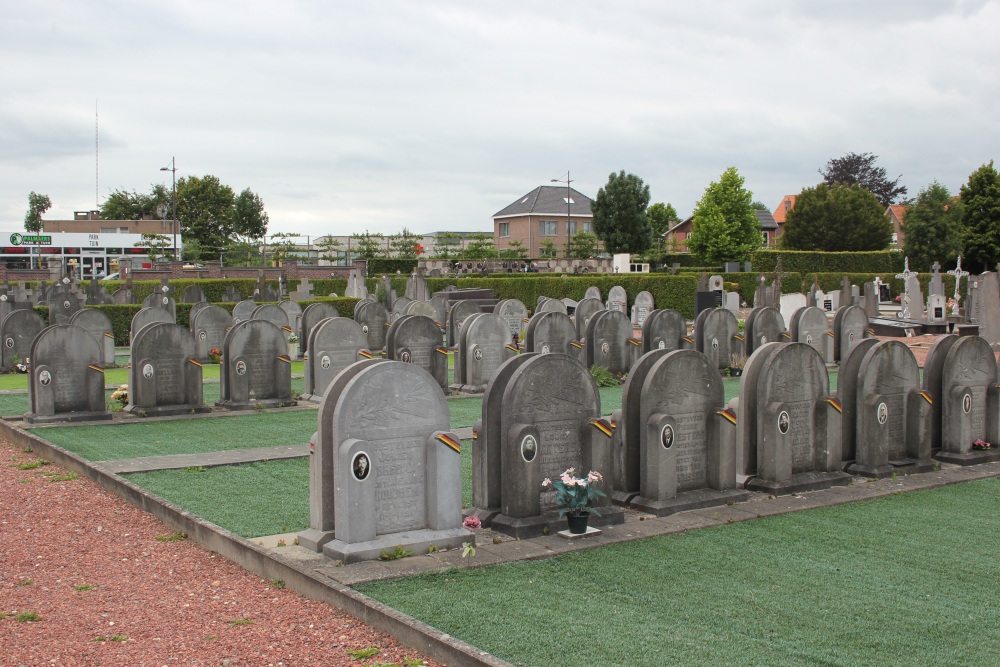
[24,239]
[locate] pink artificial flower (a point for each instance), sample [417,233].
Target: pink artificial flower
[546,482]
[472,523]
[594,476]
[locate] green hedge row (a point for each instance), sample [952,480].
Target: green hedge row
[682,259]
[389,266]
[886,261]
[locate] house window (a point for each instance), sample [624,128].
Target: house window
[767,238]
[504,229]
[577,227]
[895,238]
[547,227]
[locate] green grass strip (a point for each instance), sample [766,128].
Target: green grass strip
[901,580]
[251,500]
[187,436]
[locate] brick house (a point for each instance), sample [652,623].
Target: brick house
[542,215]
[676,236]
[896,213]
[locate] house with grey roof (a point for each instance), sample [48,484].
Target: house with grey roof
[547,213]
[676,236]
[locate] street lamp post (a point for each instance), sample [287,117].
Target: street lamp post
[569,200]
[173,201]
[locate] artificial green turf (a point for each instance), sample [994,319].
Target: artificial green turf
[901,580]
[252,500]
[265,429]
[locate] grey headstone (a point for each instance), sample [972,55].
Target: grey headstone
[585,310]
[312,314]
[913,299]
[373,320]
[209,327]
[937,284]
[847,394]
[293,311]
[618,299]
[123,295]
[147,316]
[937,309]
[592,293]
[416,339]
[335,343]
[274,315]
[304,292]
[99,326]
[552,332]
[164,377]
[193,294]
[63,303]
[483,347]
[513,313]
[459,312]
[986,309]
[356,285]
[608,336]
[714,334]
[763,325]
[18,330]
[850,325]
[194,310]
[416,288]
[389,432]
[255,368]
[420,308]
[968,397]
[642,307]
[243,310]
[263,292]
[162,300]
[399,306]
[809,325]
[231,295]
[67,379]
[552,306]
[663,330]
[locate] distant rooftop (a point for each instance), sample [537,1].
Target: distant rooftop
[548,200]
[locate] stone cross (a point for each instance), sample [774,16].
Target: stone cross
[905,277]
[959,273]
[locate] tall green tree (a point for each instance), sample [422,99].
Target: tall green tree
[514,250]
[404,245]
[330,249]
[981,218]
[836,218]
[248,218]
[369,246]
[583,245]
[155,245]
[447,245]
[725,227]
[204,211]
[619,211]
[125,205]
[933,228]
[758,205]
[860,169]
[480,247]
[37,204]
[661,218]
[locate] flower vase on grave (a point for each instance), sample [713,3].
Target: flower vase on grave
[578,523]
[293,350]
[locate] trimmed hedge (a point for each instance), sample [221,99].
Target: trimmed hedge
[682,259]
[886,261]
[389,266]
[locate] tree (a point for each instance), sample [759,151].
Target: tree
[125,205]
[514,250]
[249,220]
[281,249]
[404,245]
[330,249]
[446,245]
[583,245]
[933,228]
[191,251]
[481,247]
[758,205]
[548,248]
[725,227]
[661,218]
[836,218]
[154,244]
[981,218]
[619,210]
[369,246]
[37,204]
[860,169]
[204,211]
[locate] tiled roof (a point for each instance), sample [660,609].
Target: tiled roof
[766,220]
[787,204]
[547,200]
[898,210]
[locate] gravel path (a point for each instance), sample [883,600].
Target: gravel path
[107,591]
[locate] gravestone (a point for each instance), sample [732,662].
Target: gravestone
[763,325]
[482,349]
[809,325]
[788,428]
[97,295]
[585,310]
[209,327]
[936,285]
[846,292]
[336,343]
[243,310]
[687,446]
[385,282]
[293,312]
[663,330]
[618,299]
[592,293]
[441,304]
[303,292]
[312,314]
[892,417]
[958,274]
[147,316]
[123,295]
[986,306]
[356,285]
[871,300]
[416,339]
[393,470]
[420,308]
[263,292]
[915,299]
[67,378]
[99,326]
[790,303]
[255,367]
[416,288]
[160,298]
[547,305]
[970,402]
[164,377]
[374,322]
[62,303]
[553,332]
[847,396]
[18,330]
[513,313]
[641,308]
[399,307]
[937,309]
[275,315]
[608,336]
[194,310]
[231,295]
[9,303]
[714,336]
[460,311]
[193,294]
[850,325]
[549,422]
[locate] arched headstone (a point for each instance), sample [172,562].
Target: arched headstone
[99,326]
[67,378]
[336,343]
[164,377]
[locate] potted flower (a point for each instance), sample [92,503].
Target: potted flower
[293,346]
[215,355]
[736,363]
[121,395]
[574,495]
[981,445]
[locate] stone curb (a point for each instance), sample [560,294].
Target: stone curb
[264,563]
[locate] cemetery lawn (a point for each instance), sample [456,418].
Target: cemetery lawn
[278,502]
[214,434]
[904,579]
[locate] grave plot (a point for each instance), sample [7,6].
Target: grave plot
[255,368]
[67,377]
[165,376]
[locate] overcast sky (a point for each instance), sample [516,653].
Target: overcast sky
[435,115]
